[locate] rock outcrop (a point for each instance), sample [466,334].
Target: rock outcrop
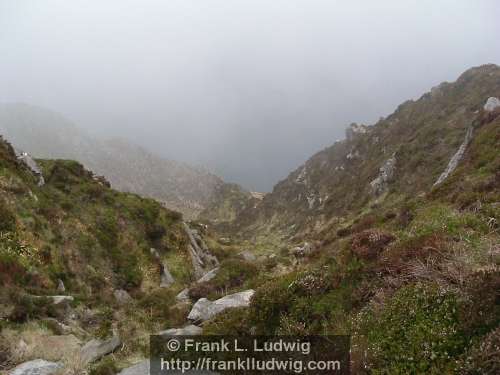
[203,261]
[455,159]
[204,309]
[492,104]
[379,185]
[28,160]
[36,367]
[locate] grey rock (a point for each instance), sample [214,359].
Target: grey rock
[60,286]
[122,296]
[455,159]
[204,309]
[190,330]
[386,173]
[32,165]
[183,296]
[201,258]
[36,367]
[248,256]
[141,368]
[355,129]
[62,300]
[491,104]
[96,349]
[208,276]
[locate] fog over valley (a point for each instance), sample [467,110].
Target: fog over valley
[248,89]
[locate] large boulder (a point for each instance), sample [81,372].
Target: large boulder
[204,309]
[190,330]
[36,367]
[96,349]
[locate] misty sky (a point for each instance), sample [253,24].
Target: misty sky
[249,88]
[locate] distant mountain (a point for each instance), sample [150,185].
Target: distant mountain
[46,134]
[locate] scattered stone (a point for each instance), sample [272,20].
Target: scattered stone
[122,296]
[379,185]
[96,349]
[36,367]
[204,309]
[190,330]
[491,104]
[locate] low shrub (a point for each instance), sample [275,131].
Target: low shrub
[368,244]
[417,331]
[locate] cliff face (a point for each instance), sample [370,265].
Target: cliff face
[129,168]
[402,155]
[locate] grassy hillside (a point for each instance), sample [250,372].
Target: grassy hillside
[77,231]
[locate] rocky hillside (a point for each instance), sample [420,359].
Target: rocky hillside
[402,155]
[84,269]
[129,168]
[391,236]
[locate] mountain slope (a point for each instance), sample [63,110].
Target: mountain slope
[402,155]
[377,243]
[129,168]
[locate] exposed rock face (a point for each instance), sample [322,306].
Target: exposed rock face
[355,129]
[96,349]
[379,185]
[453,163]
[190,330]
[491,104]
[203,261]
[36,367]
[205,310]
[32,165]
[208,276]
